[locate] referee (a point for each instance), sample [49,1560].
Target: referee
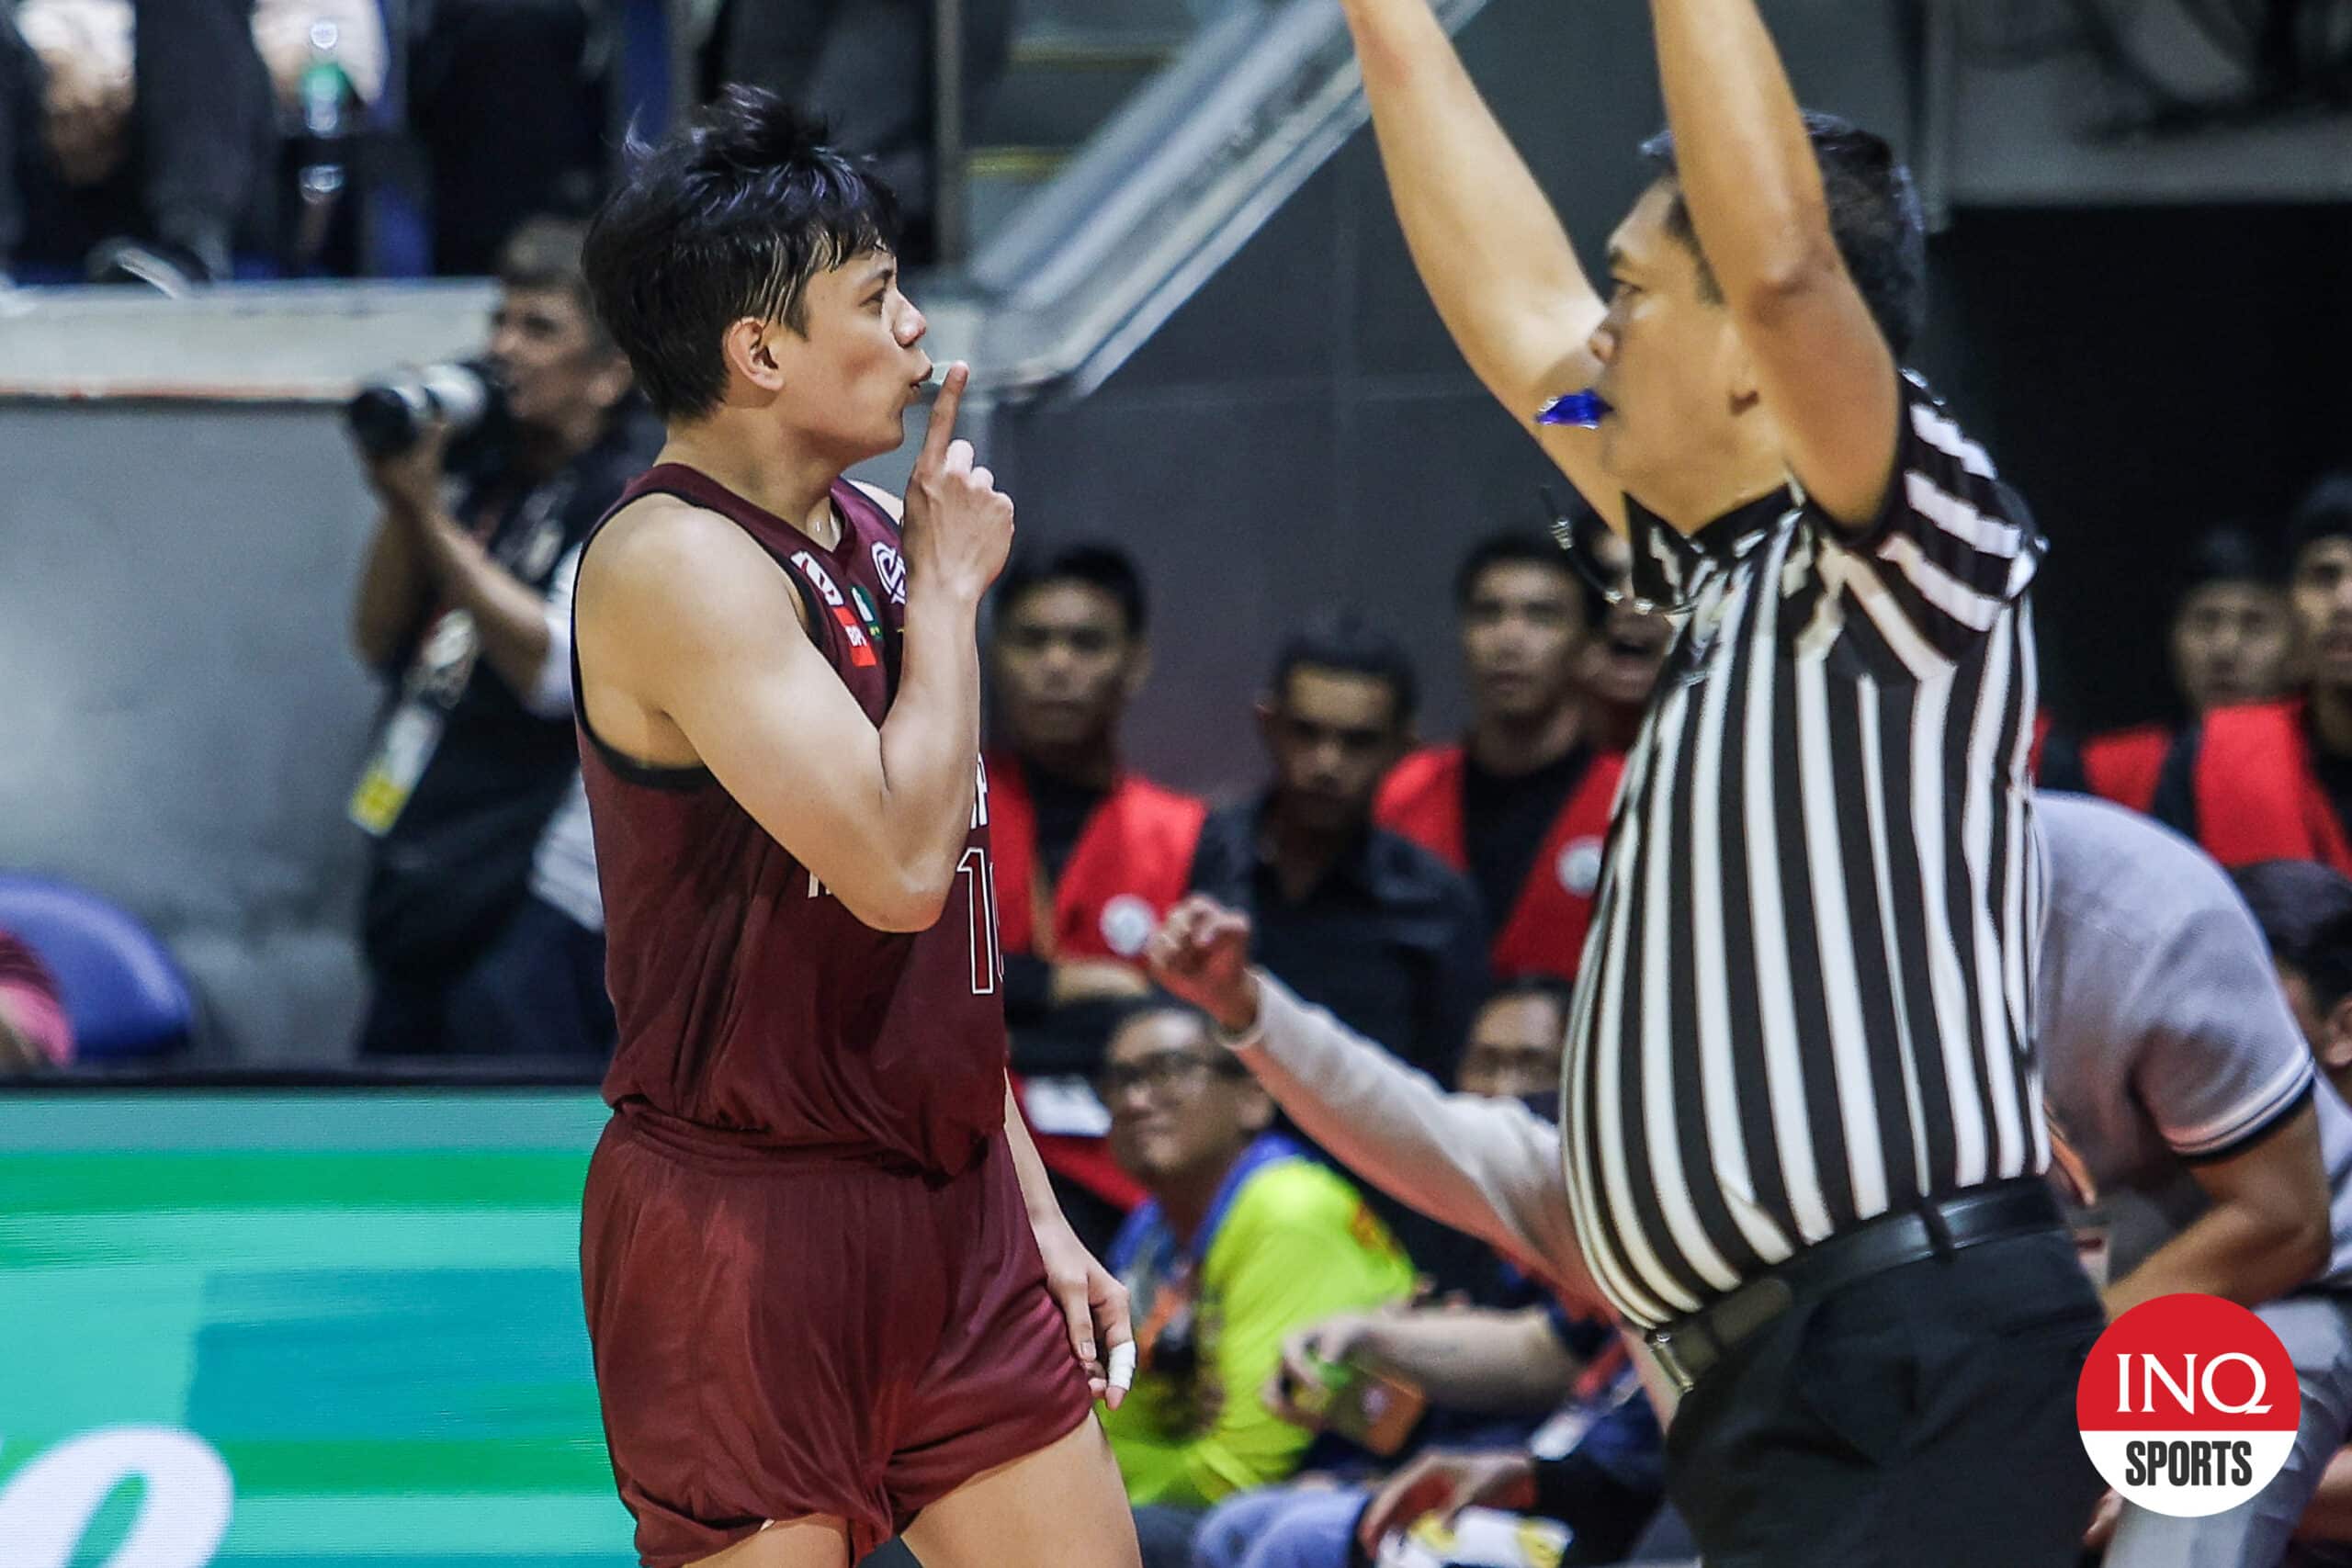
[1799,1106]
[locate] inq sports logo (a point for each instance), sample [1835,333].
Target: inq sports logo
[2189,1405]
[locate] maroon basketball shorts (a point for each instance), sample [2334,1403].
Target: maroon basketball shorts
[777,1338]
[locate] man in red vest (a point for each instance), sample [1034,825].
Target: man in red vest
[1521,802]
[2273,780]
[2231,641]
[1089,855]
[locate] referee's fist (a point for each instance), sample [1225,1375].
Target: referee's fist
[1201,953]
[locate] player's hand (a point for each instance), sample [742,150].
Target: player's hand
[1096,1305]
[1202,953]
[959,525]
[1445,1484]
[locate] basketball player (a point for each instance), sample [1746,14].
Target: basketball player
[830,1295]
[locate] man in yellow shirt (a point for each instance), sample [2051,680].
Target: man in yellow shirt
[1247,1238]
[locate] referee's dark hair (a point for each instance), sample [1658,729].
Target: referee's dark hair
[1344,641]
[2305,912]
[1874,215]
[2324,512]
[1100,566]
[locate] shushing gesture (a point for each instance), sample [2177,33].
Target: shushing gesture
[959,525]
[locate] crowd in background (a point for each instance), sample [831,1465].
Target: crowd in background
[178,142]
[1316,1353]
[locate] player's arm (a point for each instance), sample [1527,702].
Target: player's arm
[691,620]
[1093,1302]
[1754,191]
[2265,1233]
[1490,248]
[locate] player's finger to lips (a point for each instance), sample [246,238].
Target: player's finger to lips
[943,409]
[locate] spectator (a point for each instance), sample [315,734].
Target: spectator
[1514,1045]
[865,66]
[1521,802]
[1358,919]
[490,167]
[1362,921]
[137,137]
[1245,1240]
[2305,912]
[2231,641]
[1087,854]
[465,608]
[2174,1072]
[2273,780]
[34,1031]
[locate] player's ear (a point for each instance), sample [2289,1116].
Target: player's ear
[748,356]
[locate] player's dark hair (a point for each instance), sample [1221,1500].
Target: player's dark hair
[1874,215]
[725,217]
[2305,913]
[1524,547]
[2236,551]
[1100,566]
[2324,512]
[1345,642]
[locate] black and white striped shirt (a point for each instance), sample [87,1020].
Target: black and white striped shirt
[1807,994]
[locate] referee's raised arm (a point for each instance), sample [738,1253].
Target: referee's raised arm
[1754,193]
[1490,248]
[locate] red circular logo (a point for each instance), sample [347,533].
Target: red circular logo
[2188,1404]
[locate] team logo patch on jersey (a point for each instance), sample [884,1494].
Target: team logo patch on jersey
[861,651]
[893,568]
[1126,925]
[865,603]
[819,577]
[1579,866]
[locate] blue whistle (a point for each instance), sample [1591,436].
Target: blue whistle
[1573,407]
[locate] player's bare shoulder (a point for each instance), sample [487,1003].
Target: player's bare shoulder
[665,566]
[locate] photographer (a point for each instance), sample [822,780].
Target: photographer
[482,926]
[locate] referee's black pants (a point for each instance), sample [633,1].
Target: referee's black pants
[1923,1417]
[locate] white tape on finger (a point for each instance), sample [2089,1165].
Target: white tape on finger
[1123,1365]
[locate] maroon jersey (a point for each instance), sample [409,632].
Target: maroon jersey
[751,1004]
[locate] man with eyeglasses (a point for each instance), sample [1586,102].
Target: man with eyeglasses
[1245,1240]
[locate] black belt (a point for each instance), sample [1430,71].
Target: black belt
[1689,1347]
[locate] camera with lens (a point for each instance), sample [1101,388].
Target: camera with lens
[387,416]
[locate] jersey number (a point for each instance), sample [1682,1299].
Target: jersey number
[979,892]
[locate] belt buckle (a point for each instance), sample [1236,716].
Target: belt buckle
[1661,1344]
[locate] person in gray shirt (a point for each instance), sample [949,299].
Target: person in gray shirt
[2191,1131]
